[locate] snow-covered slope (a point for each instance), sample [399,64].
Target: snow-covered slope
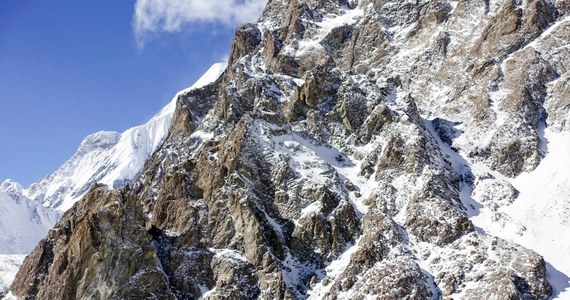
[539,219]
[9,265]
[22,222]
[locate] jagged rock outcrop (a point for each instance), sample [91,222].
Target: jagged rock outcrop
[86,235]
[318,165]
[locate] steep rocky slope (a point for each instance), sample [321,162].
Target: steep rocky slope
[351,149]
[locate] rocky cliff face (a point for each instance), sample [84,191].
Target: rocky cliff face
[343,153]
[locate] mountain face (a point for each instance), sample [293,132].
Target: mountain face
[351,149]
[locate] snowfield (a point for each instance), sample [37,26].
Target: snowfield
[539,219]
[22,224]
[9,265]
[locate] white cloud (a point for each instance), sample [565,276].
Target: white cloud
[153,17]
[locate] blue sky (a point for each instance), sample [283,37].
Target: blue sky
[69,68]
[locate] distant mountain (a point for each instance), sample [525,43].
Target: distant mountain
[22,221]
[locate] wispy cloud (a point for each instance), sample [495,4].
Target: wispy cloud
[153,17]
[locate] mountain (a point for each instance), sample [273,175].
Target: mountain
[109,158]
[351,149]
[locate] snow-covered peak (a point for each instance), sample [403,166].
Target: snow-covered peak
[11,187]
[102,139]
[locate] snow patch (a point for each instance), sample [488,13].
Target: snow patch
[9,265]
[543,206]
[461,167]
[330,22]
[333,270]
[228,254]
